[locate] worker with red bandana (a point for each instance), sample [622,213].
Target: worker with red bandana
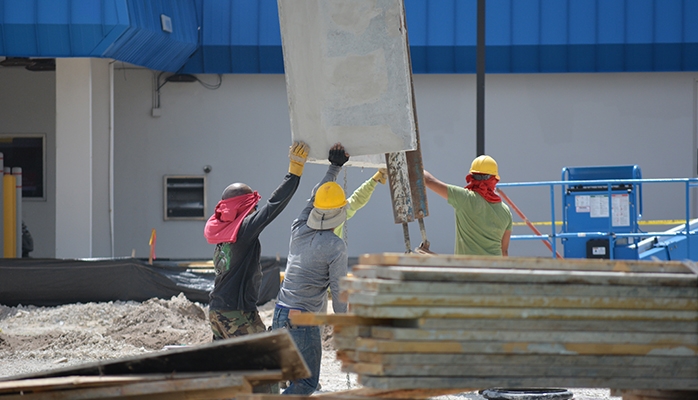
[234,228]
[483,221]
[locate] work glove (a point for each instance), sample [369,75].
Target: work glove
[381,176]
[338,156]
[297,154]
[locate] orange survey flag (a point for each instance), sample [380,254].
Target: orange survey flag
[153,239]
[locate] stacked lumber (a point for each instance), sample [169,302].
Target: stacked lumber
[442,322]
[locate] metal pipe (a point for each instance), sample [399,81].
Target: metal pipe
[111,157]
[406,235]
[480,119]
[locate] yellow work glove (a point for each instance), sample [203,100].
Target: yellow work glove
[297,154]
[381,176]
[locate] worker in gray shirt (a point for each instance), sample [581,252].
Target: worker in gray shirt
[317,259]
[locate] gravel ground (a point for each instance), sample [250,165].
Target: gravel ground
[34,339]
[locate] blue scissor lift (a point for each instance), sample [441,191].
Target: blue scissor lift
[596,212]
[601,210]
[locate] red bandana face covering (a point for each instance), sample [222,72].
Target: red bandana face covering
[484,188]
[225,222]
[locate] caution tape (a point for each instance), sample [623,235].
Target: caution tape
[654,222]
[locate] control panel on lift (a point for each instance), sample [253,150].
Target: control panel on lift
[599,208]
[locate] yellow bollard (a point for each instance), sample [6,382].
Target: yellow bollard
[9,215]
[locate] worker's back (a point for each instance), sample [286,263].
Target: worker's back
[480,224]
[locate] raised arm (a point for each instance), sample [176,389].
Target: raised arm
[435,185]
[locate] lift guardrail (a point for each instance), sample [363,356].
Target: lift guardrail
[629,240]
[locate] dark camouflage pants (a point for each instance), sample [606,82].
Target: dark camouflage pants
[228,324]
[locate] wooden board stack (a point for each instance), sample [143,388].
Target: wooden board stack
[440,322]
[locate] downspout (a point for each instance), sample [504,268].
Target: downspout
[111,157]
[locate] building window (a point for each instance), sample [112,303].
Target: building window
[27,151]
[185,197]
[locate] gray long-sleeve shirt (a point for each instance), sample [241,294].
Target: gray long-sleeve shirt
[317,259]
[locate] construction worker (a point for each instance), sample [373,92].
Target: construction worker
[356,201]
[234,228]
[483,221]
[317,259]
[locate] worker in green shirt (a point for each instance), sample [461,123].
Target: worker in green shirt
[483,221]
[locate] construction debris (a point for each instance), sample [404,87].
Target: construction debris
[221,369]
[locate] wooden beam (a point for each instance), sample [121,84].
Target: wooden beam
[576,264]
[382,286]
[520,347]
[441,274]
[531,301]
[519,324]
[522,313]
[398,334]
[394,383]
[504,370]
[335,319]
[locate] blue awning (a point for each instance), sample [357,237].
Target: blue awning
[522,36]
[125,30]
[243,36]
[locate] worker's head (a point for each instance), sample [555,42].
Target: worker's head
[234,190]
[483,167]
[329,207]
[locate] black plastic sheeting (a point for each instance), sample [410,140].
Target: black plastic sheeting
[52,282]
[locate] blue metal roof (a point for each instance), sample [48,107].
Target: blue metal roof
[522,36]
[243,36]
[126,30]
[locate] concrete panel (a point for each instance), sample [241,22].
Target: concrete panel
[348,77]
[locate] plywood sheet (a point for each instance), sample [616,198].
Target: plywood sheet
[348,77]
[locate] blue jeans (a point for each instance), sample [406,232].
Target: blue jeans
[309,343]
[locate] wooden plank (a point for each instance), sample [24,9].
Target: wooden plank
[492,370]
[394,394]
[503,300]
[519,347]
[656,394]
[360,393]
[352,330]
[334,319]
[394,383]
[222,385]
[69,382]
[522,313]
[355,284]
[576,264]
[528,336]
[273,350]
[470,359]
[556,325]
[441,274]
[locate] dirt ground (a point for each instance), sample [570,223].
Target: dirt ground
[40,338]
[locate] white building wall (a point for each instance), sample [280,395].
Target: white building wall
[535,125]
[28,105]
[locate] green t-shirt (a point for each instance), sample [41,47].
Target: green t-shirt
[480,225]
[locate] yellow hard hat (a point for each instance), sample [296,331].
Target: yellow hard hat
[484,165]
[330,195]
